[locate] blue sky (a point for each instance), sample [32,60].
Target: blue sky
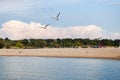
[103,13]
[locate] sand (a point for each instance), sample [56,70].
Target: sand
[108,53]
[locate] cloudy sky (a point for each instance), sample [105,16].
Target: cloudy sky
[21,19]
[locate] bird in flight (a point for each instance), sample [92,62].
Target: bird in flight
[57,17]
[45,26]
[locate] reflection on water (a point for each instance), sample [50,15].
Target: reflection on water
[37,68]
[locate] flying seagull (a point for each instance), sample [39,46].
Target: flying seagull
[57,17]
[45,26]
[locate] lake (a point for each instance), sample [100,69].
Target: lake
[44,68]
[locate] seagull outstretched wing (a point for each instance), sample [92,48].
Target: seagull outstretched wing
[46,26]
[57,17]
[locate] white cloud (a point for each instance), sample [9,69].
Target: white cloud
[19,30]
[116,36]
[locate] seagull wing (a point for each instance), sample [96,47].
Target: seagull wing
[58,15]
[47,25]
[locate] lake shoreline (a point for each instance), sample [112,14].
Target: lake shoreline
[61,57]
[98,53]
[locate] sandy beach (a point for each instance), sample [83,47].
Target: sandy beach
[108,53]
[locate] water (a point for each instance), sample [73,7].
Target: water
[41,68]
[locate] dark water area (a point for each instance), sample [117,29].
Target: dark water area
[43,68]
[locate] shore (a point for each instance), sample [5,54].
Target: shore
[106,53]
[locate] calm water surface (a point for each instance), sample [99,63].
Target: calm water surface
[40,68]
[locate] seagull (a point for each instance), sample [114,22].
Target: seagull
[45,26]
[57,17]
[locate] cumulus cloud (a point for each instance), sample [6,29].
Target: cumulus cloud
[116,36]
[16,30]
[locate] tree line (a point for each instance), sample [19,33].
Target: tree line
[58,43]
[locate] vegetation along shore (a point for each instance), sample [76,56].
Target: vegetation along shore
[58,43]
[69,48]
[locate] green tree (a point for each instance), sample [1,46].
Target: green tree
[7,43]
[54,44]
[68,42]
[41,43]
[2,43]
[116,42]
[25,42]
[19,44]
[77,43]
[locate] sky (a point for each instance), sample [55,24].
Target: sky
[21,19]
